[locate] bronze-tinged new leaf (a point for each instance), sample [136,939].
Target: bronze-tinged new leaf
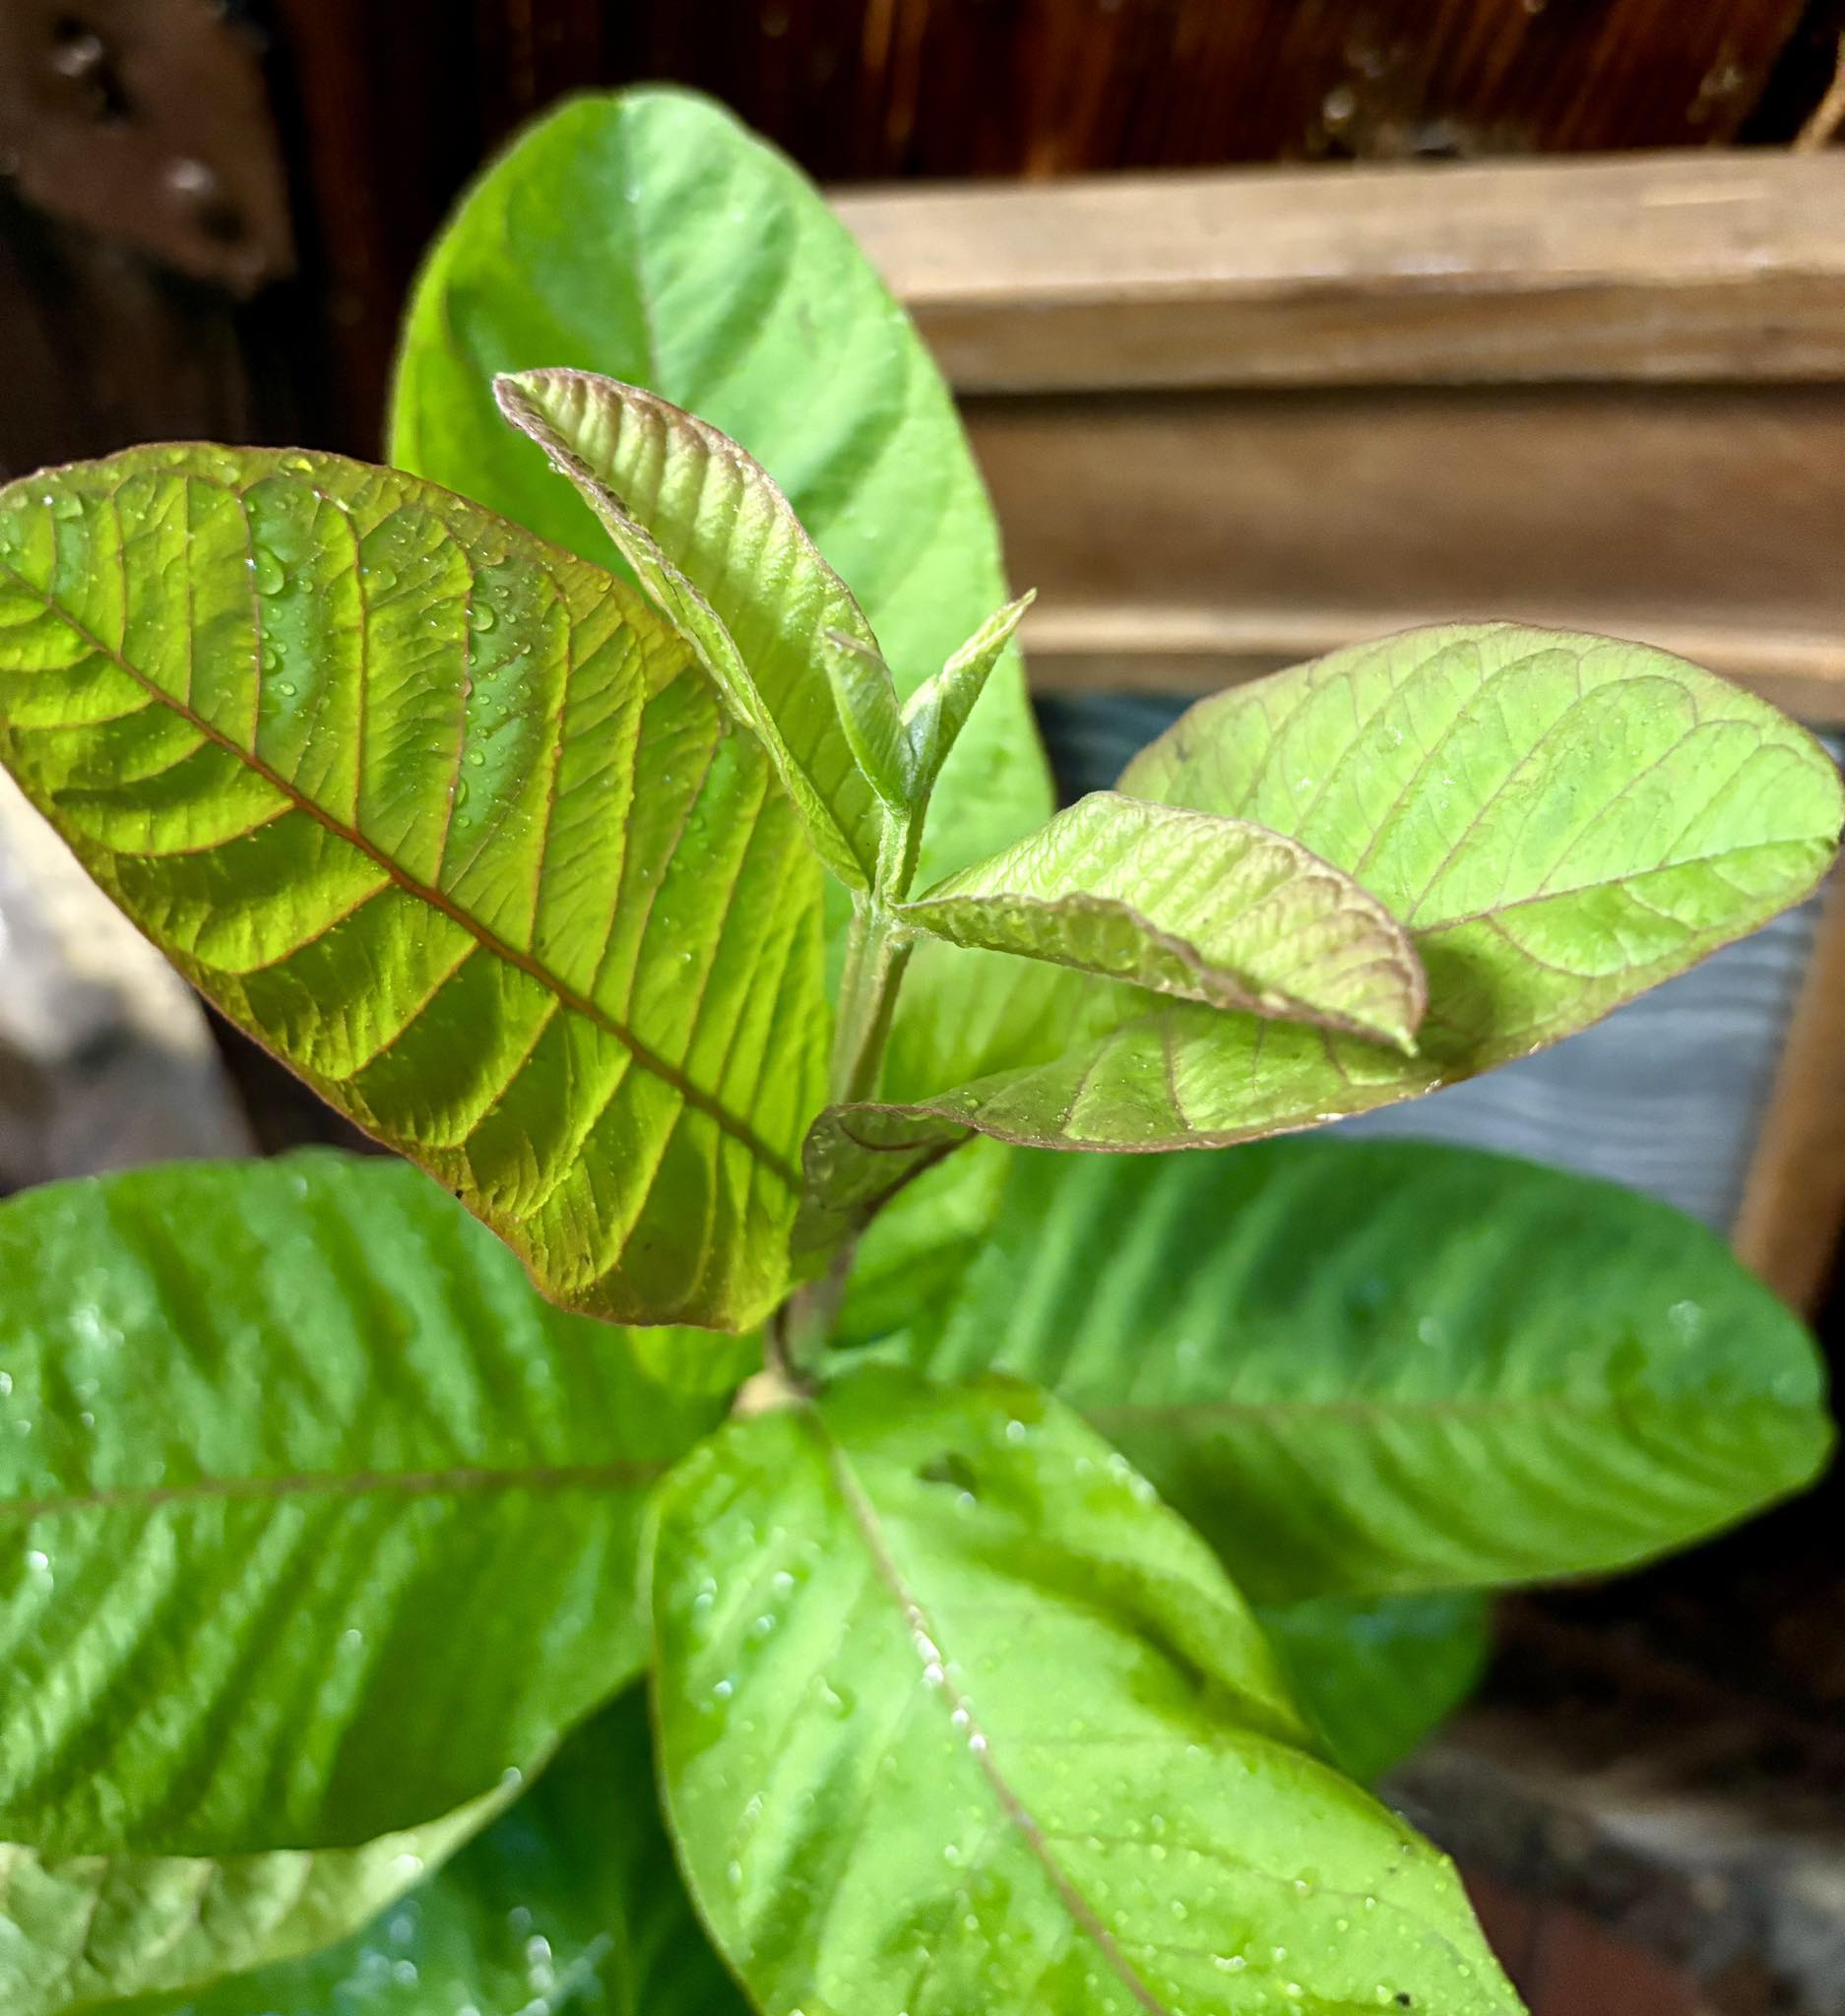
[451,821]
[1560,822]
[1186,904]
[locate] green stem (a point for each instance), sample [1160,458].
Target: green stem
[877,950]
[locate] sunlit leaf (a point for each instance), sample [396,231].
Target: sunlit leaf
[1562,822]
[721,552]
[450,821]
[955,1715]
[570,1902]
[1190,905]
[715,276]
[1389,1365]
[315,1519]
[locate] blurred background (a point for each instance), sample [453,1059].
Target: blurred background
[1276,326]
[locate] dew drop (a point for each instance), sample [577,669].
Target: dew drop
[272,577]
[481,616]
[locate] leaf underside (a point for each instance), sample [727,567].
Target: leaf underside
[1188,905]
[980,1725]
[300,1432]
[1371,1366]
[1560,822]
[449,821]
[719,550]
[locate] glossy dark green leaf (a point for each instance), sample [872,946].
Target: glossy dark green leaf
[315,1519]
[1370,1366]
[451,822]
[955,1715]
[571,1904]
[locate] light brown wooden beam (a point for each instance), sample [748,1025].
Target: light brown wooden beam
[1654,267]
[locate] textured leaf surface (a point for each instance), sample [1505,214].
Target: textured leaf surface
[1378,1675]
[570,1902]
[126,1932]
[318,1520]
[715,276]
[1384,1365]
[450,821]
[955,1715]
[1561,821]
[1185,904]
[721,551]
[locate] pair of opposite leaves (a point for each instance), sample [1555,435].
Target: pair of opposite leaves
[446,817]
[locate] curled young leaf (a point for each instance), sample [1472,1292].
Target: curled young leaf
[718,548]
[1186,904]
[449,821]
[955,1715]
[1370,1366]
[938,711]
[324,1524]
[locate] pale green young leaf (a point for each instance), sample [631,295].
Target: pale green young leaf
[570,1902]
[717,277]
[1562,822]
[1369,1366]
[939,709]
[1190,905]
[869,713]
[1377,1675]
[318,1520]
[718,548]
[450,821]
[955,1715]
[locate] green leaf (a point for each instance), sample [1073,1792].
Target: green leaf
[719,550]
[107,1931]
[939,709]
[1370,1366]
[1186,904]
[954,1716]
[315,1519]
[1378,1675]
[1562,822]
[571,1902]
[447,819]
[715,276]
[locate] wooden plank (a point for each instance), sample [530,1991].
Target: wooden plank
[1182,541]
[1793,1207]
[1673,267]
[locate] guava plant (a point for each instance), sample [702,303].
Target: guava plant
[556,808]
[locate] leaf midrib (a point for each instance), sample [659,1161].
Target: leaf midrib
[1176,1413]
[460,1481]
[865,1517]
[490,941]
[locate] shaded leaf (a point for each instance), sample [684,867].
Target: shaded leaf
[571,1902]
[1389,1365]
[1378,1675]
[315,1519]
[1185,904]
[955,1715]
[132,1932]
[721,552]
[448,820]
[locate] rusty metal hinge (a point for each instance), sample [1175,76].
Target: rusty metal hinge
[147,120]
